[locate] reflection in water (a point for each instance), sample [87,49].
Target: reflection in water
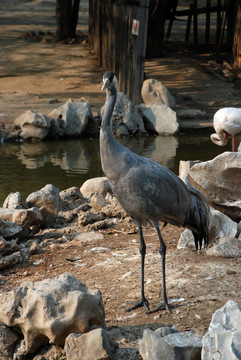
[27,167]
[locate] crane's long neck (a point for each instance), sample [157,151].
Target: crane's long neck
[111,96]
[108,144]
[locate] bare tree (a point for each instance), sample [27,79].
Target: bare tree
[67,18]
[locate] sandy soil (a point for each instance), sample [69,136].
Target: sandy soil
[33,74]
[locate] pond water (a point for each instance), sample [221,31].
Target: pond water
[27,167]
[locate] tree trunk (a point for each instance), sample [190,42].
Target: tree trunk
[67,18]
[237,38]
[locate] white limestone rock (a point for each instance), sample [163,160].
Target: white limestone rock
[33,124]
[95,345]
[169,344]
[154,92]
[220,179]
[49,310]
[186,240]
[220,226]
[47,200]
[227,247]
[14,201]
[160,119]
[71,118]
[223,339]
[98,185]
[25,218]
[184,167]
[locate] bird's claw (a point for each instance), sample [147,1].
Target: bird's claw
[161,306]
[142,303]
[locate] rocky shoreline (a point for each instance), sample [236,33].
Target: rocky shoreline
[49,219]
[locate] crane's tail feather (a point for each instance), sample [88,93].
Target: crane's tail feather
[198,218]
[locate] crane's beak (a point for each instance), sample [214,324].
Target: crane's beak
[104,85]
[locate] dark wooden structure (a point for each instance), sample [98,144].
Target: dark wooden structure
[118,35]
[192,15]
[123,33]
[224,11]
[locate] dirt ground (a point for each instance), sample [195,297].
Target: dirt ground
[34,75]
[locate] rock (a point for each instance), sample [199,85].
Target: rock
[71,194]
[102,224]
[33,125]
[14,201]
[184,167]
[47,200]
[126,119]
[70,199]
[57,128]
[226,247]
[23,217]
[125,110]
[98,202]
[223,339]
[90,218]
[169,344]
[93,127]
[220,179]
[160,119]
[72,118]
[8,339]
[121,130]
[154,92]
[49,310]
[9,229]
[13,259]
[113,209]
[186,240]
[98,185]
[95,345]
[8,246]
[220,226]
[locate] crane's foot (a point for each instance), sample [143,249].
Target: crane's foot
[162,306]
[142,303]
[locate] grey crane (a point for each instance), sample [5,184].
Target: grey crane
[148,192]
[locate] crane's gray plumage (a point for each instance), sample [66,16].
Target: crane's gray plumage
[148,191]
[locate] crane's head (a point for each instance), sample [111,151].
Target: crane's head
[110,81]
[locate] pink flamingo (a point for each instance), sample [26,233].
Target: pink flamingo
[226,121]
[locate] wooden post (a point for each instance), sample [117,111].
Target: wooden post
[207,31]
[118,48]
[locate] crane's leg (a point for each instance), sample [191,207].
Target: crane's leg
[164,303]
[143,301]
